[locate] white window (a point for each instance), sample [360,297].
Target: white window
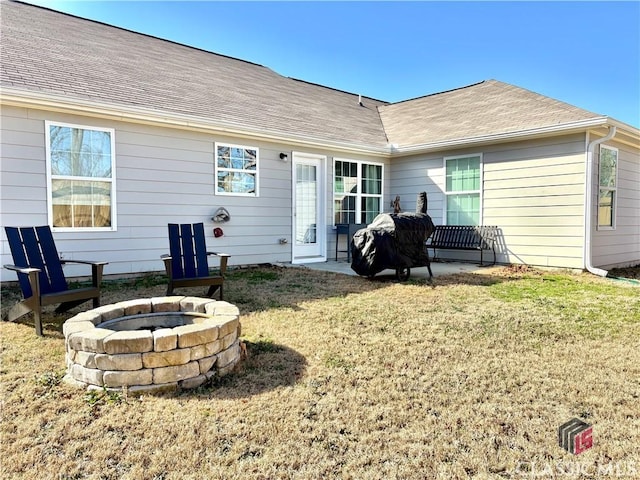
[462,189]
[608,181]
[80,174]
[236,170]
[357,191]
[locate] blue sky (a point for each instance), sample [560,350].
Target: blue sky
[583,53]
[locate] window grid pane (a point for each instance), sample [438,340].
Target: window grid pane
[81,203]
[236,168]
[463,174]
[463,209]
[372,179]
[605,208]
[77,152]
[608,167]
[346,177]
[357,191]
[344,208]
[370,208]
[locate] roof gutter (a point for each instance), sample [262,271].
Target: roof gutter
[588,202]
[578,126]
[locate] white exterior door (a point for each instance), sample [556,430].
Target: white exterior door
[309,232]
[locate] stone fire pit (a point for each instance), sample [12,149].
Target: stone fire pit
[153,344]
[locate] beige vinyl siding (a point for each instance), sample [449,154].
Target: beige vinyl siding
[23,189]
[534,191]
[621,246]
[413,175]
[162,175]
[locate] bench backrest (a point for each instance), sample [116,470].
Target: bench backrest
[463,236]
[188,250]
[34,247]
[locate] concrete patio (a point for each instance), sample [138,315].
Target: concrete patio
[438,269]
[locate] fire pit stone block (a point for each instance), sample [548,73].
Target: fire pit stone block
[166,304]
[205,350]
[128,361]
[207,363]
[196,334]
[89,316]
[124,378]
[86,359]
[109,312]
[88,340]
[128,341]
[166,358]
[87,375]
[164,339]
[175,373]
[136,307]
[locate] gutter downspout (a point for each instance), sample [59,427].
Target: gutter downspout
[588,202]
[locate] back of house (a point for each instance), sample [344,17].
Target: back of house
[108,135]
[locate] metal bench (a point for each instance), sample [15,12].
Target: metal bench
[464,237]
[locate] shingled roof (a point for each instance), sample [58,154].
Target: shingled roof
[47,51]
[487,108]
[59,55]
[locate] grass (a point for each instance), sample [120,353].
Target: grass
[465,377]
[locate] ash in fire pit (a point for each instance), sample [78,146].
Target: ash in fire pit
[153,344]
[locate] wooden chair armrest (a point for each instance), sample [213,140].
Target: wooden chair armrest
[26,270]
[168,268]
[83,262]
[96,269]
[224,257]
[217,254]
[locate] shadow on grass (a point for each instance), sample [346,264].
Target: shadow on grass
[252,289]
[441,280]
[271,287]
[267,366]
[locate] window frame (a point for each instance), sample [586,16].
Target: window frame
[358,195]
[50,177]
[447,193]
[217,169]
[613,190]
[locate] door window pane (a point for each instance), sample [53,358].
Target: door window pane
[306,198]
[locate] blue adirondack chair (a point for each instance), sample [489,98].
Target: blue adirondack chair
[187,262]
[41,277]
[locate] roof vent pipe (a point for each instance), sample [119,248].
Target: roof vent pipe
[360,100]
[588,201]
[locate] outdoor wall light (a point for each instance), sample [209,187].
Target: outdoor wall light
[284,157]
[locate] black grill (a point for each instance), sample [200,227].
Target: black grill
[393,241]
